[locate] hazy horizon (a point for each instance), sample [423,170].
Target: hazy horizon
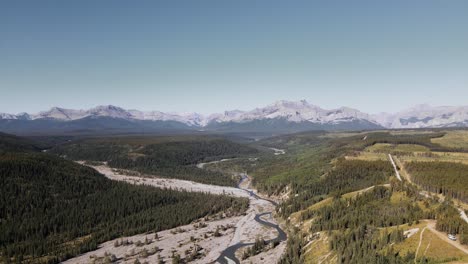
[234,109]
[212,56]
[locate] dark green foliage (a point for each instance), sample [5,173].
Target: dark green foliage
[350,175]
[447,178]
[361,229]
[347,176]
[364,245]
[379,212]
[167,158]
[258,247]
[464,236]
[293,253]
[354,224]
[14,143]
[91,126]
[308,162]
[309,173]
[356,143]
[56,208]
[418,139]
[449,221]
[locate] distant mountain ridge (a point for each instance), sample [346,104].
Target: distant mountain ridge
[425,116]
[281,116]
[292,111]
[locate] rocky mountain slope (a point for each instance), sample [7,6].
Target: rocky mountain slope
[423,116]
[281,116]
[300,111]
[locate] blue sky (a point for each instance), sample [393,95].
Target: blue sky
[210,56]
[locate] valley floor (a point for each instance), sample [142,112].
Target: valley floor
[201,236]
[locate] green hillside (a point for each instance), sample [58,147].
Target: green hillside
[52,209]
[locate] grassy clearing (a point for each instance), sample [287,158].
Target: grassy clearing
[296,217]
[318,250]
[431,246]
[369,156]
[410,132]
[436,248]
[398,197]
[388,148]
[409,245]
[453,139]
[410,152]
[408,176]
[342,134]
[457,157]
[379,151]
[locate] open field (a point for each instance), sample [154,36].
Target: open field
[414,152]
[453,139]
[410,132]
[459,157]
[428,243]
[387,148]
[380,151]
[369,156]
[318,250]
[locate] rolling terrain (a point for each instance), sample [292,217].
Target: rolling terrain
[53,209]
[338,197]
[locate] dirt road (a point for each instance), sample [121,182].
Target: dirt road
[397,173]
[443,236]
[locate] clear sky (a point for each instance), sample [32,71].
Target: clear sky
[210,56]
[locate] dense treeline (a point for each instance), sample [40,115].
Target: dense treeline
[309,157]
[361,229]
[447,178]
[449,221]
[418,139]
[380,212]
[304,161]
[347,176]
[364,228]
[273,174]
[176,159]
[294,249]
[166,153]
[366,244]
[354,225]
[356,143]
[190,173]
[55,209]
[14,143]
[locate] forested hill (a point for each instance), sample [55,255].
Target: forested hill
[13,143]
[174,157]
[52,209]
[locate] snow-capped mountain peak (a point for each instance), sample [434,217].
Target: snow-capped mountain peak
[292,111]
[109,111]
[422,116]
[59,114]
[419,116]
[7,116]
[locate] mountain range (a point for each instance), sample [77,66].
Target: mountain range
[279,117]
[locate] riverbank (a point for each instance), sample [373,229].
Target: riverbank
[198,236]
